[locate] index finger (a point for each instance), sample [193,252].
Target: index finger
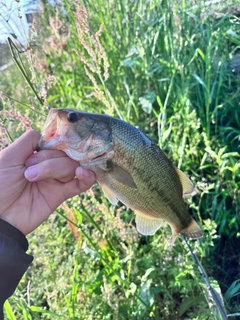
[44,155]
[20,150]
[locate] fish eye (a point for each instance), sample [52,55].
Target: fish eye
[72,117]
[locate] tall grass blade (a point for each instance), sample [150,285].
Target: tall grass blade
[21,67]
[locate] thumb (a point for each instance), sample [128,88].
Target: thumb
[20,150]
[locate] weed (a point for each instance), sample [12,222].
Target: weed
[171,70]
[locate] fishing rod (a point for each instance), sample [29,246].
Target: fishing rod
[210,288]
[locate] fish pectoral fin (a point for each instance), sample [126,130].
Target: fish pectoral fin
[109,194]
[121,175]
[147,225]
[118,173]
[187,185]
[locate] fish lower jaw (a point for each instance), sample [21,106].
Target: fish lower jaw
[51,144]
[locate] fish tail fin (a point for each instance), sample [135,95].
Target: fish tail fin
[193,230]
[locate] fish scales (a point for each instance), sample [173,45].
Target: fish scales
[150,170]
[128,165]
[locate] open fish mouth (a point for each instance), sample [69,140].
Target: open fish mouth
[52,141]
[51,137]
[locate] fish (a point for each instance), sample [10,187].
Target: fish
[129,167]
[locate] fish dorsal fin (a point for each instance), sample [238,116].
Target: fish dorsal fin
[147,225]
[187,186]
[109,194]
[118,173]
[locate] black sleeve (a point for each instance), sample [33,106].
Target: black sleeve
[13,260]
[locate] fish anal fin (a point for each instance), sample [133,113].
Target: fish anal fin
[109,194]
[187,185]
[193,230]
[147,225]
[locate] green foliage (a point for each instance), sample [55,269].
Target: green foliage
[173,74]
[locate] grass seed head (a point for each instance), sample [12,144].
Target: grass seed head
[96,61]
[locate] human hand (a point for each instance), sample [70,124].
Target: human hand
[32,186]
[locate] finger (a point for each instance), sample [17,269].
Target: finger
[19,150]
[84,174]
[63,191]
[62,169]
[77,186]
[44,155]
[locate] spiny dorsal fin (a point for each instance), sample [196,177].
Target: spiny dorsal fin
[187,185]
[147,225]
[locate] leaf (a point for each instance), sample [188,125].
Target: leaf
[167,132]
[233,290]
[78,215]
[8,310]
[211,152]
[131,57]
[147,273]
[132,290]
[146,293]
[188,303]
[128,62]
[147,101]
[200,81]
[233,36]
[40,310]
[68,82]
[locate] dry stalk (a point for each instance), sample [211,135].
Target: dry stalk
[96,62]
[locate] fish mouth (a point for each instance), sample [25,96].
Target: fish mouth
[51,144]
[103,155]
[53,132]
[100,160]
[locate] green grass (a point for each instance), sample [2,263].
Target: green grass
[170,75]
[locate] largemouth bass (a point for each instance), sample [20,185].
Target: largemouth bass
[129,167]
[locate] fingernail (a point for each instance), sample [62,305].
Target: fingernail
[80,172]
[31,161]
[31,173]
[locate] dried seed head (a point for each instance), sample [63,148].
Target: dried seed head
[95,60]
[12,115]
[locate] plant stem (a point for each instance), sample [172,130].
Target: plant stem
[21,67]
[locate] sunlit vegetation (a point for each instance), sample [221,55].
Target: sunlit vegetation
[171,68]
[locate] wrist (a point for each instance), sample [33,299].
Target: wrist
[12,232]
